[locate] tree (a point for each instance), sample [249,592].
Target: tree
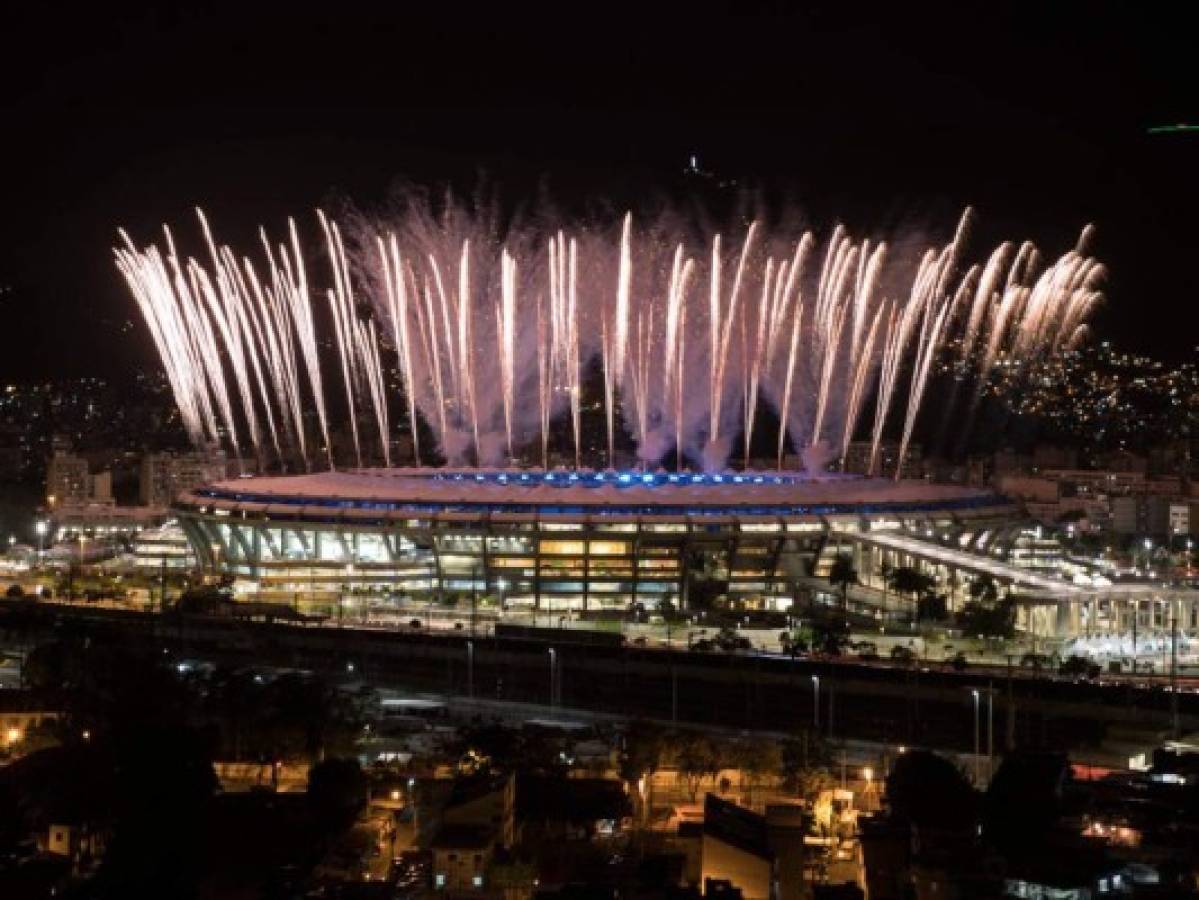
[984,589]
[842,574]
[698,758]
[302,717]
[930,791]
[55,665]
[829,635]
[1025,799]
[728,640]
[756,759]
[800,757]
[932,608]
[336,793]
[234,697]
[489,747]
[885,570]
[1079,667]
[912,583]
[980,619]
[643,746]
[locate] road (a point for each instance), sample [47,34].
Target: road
[879,702]
[929,656]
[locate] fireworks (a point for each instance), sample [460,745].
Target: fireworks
[491,327]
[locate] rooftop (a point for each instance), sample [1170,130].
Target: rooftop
[765,493]
[463,837]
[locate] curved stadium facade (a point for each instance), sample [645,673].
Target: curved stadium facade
[549,540]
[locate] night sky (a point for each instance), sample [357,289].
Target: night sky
[1036,116]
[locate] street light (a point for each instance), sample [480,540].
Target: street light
[41,527]
[816,702]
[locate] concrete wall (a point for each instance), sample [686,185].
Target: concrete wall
[749,872]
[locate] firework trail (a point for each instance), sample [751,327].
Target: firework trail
[490,322]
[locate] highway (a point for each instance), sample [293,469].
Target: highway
[877,702]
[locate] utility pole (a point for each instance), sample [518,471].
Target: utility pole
[1010,731]
[1174,670]
[832,695]
[990,730]
[474,598]
[1136,614]
[470,669]
[816,703]
[162,585]
[974,693]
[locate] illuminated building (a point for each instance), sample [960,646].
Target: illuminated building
[550,540]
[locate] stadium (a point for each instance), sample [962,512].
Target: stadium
[553,541]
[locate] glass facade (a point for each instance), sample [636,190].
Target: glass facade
[537,564]
[319,553]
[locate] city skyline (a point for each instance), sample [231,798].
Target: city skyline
[735,451]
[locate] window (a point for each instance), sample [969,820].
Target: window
[477,881]
[576,548]
[439,880]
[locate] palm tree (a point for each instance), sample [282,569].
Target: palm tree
[913,583]
[885,571]
[842,574]
[984,589]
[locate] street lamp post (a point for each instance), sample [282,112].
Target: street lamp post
[41,527]
[162,584]
[553,676]
[474,597]
[1174,670]
[70,570]
[990,731]
[349,589]
[816,703]
[976,737]
[470,669]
